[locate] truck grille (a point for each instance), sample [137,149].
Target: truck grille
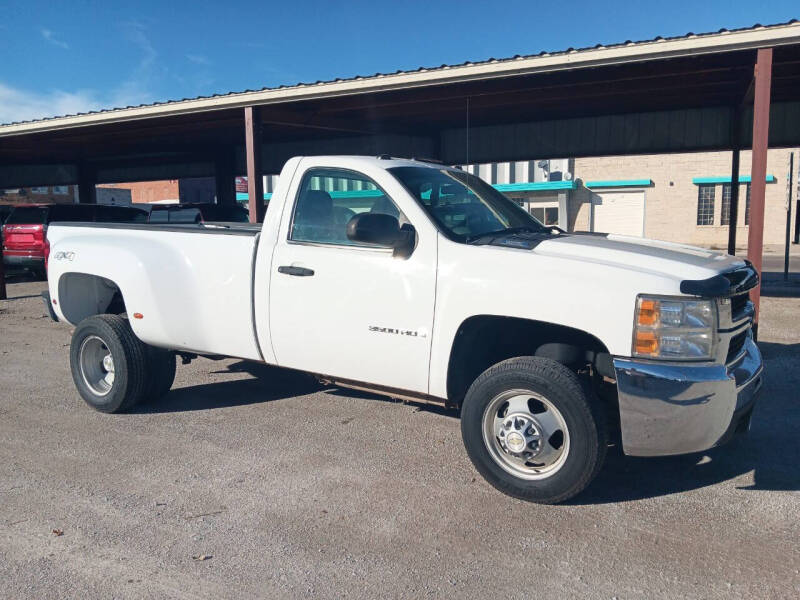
[738,305]
[736,344]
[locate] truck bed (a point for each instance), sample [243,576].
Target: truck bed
[192,284]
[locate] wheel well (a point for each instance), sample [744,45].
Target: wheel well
[485,340]
[82,295]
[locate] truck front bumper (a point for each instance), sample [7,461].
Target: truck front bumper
[678,408]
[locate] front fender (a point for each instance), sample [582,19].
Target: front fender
[594,298]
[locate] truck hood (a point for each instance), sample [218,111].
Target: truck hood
[676,261]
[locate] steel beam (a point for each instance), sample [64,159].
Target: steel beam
[87,180]
[758,170]
[255,181]
[788,217]
[225,177]
[736,117]
[3,295]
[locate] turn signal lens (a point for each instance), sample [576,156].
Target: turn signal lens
[646,343]
[648,312]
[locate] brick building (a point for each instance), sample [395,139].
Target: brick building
[677,197]
[148,191]
[57,194]
[673,197]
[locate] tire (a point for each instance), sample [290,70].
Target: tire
[531,431]
[160,372]
[95,338]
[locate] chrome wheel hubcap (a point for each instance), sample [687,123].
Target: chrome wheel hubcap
[97,365]
[525,434]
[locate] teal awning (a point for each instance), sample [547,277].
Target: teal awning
[727,179]
[608,183]
[539,186]
[242,197]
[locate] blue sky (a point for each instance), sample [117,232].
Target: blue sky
[65,57]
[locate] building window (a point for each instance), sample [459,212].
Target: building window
[544,212]
[725,215]
[705,205]
[61,190]
[747,206]
[39,190]
[547,215]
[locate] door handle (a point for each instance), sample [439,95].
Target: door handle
[296,271]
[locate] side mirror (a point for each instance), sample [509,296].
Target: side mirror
[382,230]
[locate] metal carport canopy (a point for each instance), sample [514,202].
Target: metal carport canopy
[680,94]
[662,95]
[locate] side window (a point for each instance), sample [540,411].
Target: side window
[329,198]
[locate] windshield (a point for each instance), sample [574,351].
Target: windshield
[464,206]
[28,215]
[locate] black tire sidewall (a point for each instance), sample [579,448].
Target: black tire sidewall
[120,394]
[581,463]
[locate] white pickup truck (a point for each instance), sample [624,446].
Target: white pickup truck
[423,282]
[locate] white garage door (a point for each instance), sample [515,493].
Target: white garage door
[619,212]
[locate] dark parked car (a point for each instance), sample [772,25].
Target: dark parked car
[25,231]
[5,210]
[198,213]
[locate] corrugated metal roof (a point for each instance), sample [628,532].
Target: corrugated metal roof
[443,67]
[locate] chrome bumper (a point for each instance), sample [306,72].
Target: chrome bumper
[679,408]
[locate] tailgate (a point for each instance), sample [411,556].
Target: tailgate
[23,237]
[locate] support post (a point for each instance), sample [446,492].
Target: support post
[758,170]
[734,207]
[797,211]
[87,179]
[225,177]
[255,181]
[788,217]
[563,210]
[3,295]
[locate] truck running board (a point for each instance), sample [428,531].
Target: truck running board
[406,395]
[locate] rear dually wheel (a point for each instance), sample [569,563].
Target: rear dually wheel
[108,363]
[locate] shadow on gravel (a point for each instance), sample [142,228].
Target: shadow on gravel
[12,298]
[269,383]
[771,450]
[773,285]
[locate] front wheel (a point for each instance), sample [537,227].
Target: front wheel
[531,431]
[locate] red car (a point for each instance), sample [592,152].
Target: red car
[25,231]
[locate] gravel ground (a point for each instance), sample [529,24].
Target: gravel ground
[289,489]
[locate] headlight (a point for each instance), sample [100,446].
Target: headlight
[674,328]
